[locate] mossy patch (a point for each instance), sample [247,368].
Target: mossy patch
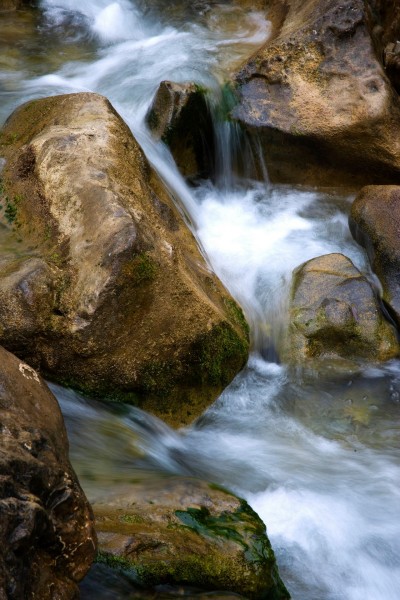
[237,315]
[217,354]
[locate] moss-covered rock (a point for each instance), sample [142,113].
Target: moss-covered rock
[104,288]
[179,116]
[182,531]
[375,224]
[318,98]
[334,314]
[47,537]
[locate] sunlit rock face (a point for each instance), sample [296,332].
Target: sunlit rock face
[335,315]
[318,97]
[47,538]
[108,291]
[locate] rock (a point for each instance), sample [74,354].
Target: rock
[181,531]
[180,117]
[334,314]
[46,525]
[8,5]
[107,291]
[385,17]
[375,224]
[317,97]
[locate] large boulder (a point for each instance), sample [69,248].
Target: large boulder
[317,96]
[335,315]
[375,224]
[47,539]
[181,531]
[107,290]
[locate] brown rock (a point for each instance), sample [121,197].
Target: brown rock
[334,314]
[47,540]
[375,224]
[108,291]
[9,5]
[385,17]
[181,531]
[180,117]
[318,98]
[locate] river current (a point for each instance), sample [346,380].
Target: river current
[318,457]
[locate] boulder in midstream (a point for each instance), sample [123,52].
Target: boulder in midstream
[108,291]
[180,117]
[335,316]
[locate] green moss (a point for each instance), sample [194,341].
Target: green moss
[131,519]
[237,315]
[157,378]
[146,268]
[219,355]
[118,563]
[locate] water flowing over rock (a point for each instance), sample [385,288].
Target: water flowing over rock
[46,525]
[375,224]
[334,314]
[108,291]
[318,98]
[182,531]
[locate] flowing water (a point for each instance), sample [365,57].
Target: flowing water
[316,456]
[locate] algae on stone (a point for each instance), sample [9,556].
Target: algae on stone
[183,531]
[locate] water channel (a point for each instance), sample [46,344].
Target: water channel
[317,456]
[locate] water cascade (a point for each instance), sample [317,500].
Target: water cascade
[317,458]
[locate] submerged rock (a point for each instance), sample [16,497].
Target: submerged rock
[318,98]
[47,538]
[375,224]
[334,314]
[107,291]
[180,117]
[181,531]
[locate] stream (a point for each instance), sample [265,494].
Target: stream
[317,456]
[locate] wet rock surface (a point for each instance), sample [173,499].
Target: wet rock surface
[107,291]
[375,224]
[46,525]
[335,314]
[182,531]
[318,98]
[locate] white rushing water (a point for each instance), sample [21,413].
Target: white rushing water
[317,459]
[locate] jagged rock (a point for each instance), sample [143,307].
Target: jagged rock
[334,314]
[107,291]
[47,538]
[375,224]
[181,531]
[318,98]
[180,117]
